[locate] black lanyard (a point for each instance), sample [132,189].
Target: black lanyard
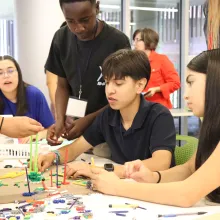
[82,73]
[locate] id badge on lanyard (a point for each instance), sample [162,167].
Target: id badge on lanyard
[76,107]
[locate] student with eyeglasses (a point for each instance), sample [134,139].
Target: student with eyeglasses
[17,98]
[164,78]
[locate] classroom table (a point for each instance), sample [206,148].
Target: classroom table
[181,112]
[99,203]
[185,114]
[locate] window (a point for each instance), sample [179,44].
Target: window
[6,37]
[110,12]
[164,18]
[197,41]
[7,27]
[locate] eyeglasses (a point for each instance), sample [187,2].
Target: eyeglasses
[9,72]
[137,40]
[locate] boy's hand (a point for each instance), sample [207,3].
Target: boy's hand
[76,128]
[45,161]
[78,169]
[51,137]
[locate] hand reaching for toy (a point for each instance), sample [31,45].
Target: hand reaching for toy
[77,169]
[136,170]
[104,181]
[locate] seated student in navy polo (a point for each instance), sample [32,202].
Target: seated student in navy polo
[20,99]
[151,130]
[132,127]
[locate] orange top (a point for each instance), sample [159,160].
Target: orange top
[163,75]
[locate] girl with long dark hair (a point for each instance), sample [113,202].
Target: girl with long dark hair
[17,98]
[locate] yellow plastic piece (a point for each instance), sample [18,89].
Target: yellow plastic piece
[92,162]
[12,175]
[78,183]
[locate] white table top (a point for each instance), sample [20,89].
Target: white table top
[99,203]
[180,113]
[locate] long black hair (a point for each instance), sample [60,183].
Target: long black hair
[22,105]
[208,63]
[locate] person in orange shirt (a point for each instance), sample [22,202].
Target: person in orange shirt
[164,78]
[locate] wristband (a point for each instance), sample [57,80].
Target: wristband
[159,176]
[57,156]
[1,123]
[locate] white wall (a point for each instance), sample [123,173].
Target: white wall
[35,24]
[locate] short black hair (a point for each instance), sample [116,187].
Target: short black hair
[126,62]
[71,1]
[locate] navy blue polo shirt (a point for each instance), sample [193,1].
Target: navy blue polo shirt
[152,129]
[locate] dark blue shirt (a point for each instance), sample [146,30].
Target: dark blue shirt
[38,108]
[152,129]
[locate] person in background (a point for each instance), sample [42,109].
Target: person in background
[20,99]
[76,55]
[212,23]
[19,127]
[52,84]
[182,185]
[164,78]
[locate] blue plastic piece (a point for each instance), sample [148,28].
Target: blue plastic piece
[65,211]
[26,194]
[55,201]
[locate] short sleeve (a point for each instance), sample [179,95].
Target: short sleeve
[54,64]
[94,134]
[44,115]
[163,135]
